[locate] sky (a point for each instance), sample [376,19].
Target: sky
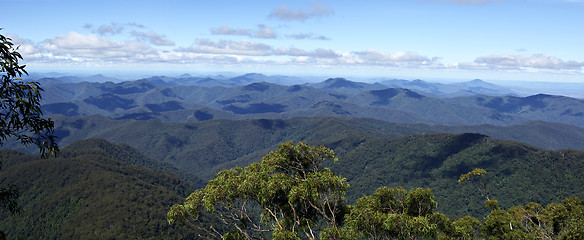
[529,40]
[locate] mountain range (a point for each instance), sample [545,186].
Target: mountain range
[241,98]
[130,149]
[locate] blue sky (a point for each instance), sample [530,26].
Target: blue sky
[534,40]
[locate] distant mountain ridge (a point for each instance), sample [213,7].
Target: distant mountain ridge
[469,88]
[436,88]
[163,99]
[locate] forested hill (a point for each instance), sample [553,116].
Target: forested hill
[518,173]
[373,153]
[204,148]
[93,190]
[266,133]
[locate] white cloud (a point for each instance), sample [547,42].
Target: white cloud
[537,61]
[262,31]
[92,46]
[265,32]
[74,40]
[385,57]
[104,30]
[325,53]
[245,47]
[75,48]
[153,38]
[283,12]
[255,49]
[27,48]
[117,28]
[226,30]
[290,52]
[137,25]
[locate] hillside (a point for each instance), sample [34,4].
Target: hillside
[67,192]
[203,148]
[93,190]
[518,173]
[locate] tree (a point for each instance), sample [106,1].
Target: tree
[288,195]
[395,213]
[476,177]
[20,109]
[532,221]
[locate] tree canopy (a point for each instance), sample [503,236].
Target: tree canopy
[289,195]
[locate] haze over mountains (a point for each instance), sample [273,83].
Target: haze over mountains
[252,96]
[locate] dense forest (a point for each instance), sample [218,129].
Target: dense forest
[93,190]
[300,199]
[96,188]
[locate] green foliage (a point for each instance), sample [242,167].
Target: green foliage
[288,194]
[532,221]
[500,224]
[465,228]
[568,218]
[20,110]
[394,213]
[475,173]
[90,194]
[386,215]
[8,195]
[517,173]
[476,177]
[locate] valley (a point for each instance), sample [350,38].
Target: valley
[163,137]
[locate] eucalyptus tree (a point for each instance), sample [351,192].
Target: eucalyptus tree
[288,195]
[20,106]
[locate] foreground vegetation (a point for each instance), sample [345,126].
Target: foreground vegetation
[92,190]
[289,195]
[519,173]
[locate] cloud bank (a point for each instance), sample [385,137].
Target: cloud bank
[153,38]
[537,61]
[145,48]
[262,31]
